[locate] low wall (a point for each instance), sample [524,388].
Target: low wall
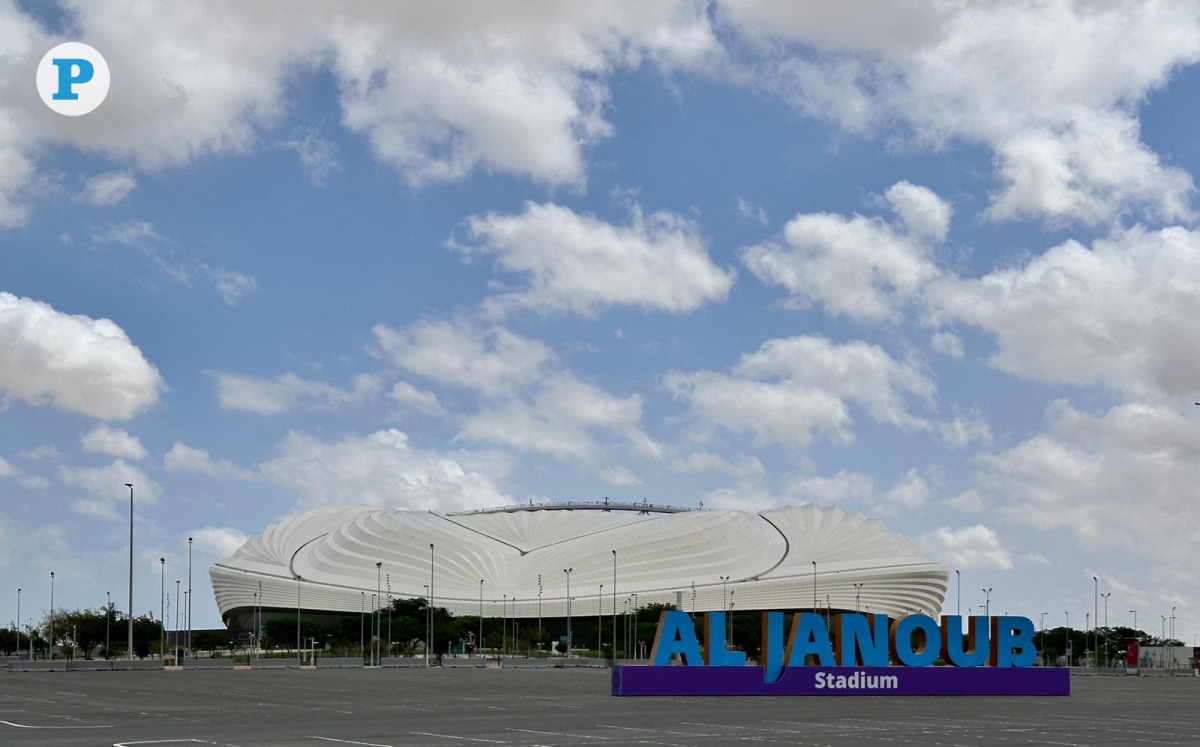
[403,661]
[41,665]
[476,663]
[335,662]
[523,663]
[136,664]
[274,663]
[208,664]
[84,665]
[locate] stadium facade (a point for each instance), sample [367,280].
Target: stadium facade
[513,561]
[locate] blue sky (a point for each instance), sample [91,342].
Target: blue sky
[936,263]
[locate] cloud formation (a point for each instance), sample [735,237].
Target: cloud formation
[73,362]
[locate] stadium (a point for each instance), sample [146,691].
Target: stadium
[526,561]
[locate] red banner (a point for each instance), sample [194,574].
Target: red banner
[1131,653]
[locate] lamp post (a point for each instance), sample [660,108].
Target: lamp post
[188,647]
[375,629]
[1067,634]
[503,623]
[1171,638]
[857,592]
[614,596]
[1096,617]
[729,644]
[637,649]
[430,646]
[19,620]
[724,604]
[599,622]
[389,602]
[107,625]
[568,572]
[1105,597]
[162,607]
[51,615]
[130,642]
[297,616]
[987,602]
[175,643]
[1135,627]
[814,586]
[1162,642]
[958,603]
[480,644]
[1042,647]
[362,623]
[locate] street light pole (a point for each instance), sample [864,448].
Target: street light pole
[107,625]
[297,616]
[600,622]
[1042,647]
[1096,617]
[19,620]
[1067,633]
[162,608]
[51,615]
[1105,596]
[190,595]
[130,642]
[479,644]
[568,572]
[958,603]
[987,602]
[814,586]
[430,646]
[614,596]
[857,592]
[724,604]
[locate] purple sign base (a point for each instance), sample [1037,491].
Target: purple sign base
[679,680]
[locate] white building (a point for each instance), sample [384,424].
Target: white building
[333,560]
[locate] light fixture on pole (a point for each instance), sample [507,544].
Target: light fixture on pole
[297,616]
[130,642]
[430,646]
[107,625]
[614,596]
[162,607]
[857,592]
[1042,642]
[724,605]
[987,602]
[503,623]
[175,642]
[362,623]
[814,607]
[1105,597]
[375,629]
[600,622]
[1096,618]
[958,603]
[1067,635]
[568,572]
[479,643]
[190,595]
[51,615]
[19,620]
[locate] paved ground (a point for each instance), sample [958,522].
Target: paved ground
[567,708]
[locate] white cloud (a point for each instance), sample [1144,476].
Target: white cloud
[384,469]
[582,264]
[104,439]
[7,469]
[184,458]
[492,360]
[793,388]
[1123,481]
[859,267]
[948,344]
[842,488]
[173,262]
[967,548]
[1052,88]
[965,429]
[417,399]
[702,461]
[76,363]
[109,188]
[318,156]
[106,487]
[217,542]
[438,92]
[747,211]
[559,420]
[39,453]
[290,392]
[620,476]
[910,493]
[1122,313]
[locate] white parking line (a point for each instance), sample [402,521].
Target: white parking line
[28,726]
[451,736]
[558,734]
[348,741]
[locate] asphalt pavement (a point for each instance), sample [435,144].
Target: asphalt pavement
[559,707]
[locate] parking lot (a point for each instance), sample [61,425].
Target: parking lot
[553,707]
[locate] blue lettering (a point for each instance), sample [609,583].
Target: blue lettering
[919,655]
[676,635]
[809,636]
[71,72]
[1012,642]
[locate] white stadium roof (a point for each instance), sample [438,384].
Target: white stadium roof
[520,552]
